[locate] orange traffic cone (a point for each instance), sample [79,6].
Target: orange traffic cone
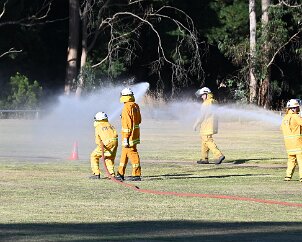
[74,154]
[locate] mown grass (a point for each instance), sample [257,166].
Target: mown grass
[55,201]
[60,196]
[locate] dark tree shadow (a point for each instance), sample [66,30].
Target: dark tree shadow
[153,231]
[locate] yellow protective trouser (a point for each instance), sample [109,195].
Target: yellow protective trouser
[208,144]
[132,154]
[292,162]
[109,159]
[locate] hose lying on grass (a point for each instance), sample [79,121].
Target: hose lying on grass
[136,188]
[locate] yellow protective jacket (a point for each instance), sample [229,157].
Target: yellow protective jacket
[104,132]
[208,121]
[131,118]
[292,130]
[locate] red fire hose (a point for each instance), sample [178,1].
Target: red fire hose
[179,194]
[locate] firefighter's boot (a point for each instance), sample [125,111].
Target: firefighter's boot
[119,177]
[95,176]
[219,160]
[203,161]
[135,178]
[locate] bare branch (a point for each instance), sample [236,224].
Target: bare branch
[11,50]
[34,19]
[282,46]
[177,10]
[125,29]
[285,3]
[134,2]
[289,5]
[101,62]
[100,23]
[3,11]
[48,6]
[32,24]
[160,48]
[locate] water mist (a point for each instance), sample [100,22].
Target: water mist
[72,119]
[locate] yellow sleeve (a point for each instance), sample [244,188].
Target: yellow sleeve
[298,119]
[127,122]
[98,140]
[139,115]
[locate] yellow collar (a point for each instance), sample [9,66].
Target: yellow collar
[125,99]
[97,123]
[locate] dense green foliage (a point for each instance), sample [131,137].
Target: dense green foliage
[223,31]
[22,94]
[231,36]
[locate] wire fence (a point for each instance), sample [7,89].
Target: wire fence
[20,114]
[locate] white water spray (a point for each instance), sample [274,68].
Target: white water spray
[72,119]
[249,113]
[187,111]
[72,109]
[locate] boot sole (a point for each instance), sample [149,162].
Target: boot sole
[220,160]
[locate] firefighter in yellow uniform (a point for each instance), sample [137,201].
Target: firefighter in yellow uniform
[292,130]
[105,135]
[131,118]
[208,124]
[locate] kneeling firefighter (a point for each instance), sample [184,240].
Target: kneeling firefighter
[106,136]
[131,118]
[292,130]
[208,124]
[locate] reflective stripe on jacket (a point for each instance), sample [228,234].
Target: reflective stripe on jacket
[292,130]
[104,132]
[208,120]
[131,118]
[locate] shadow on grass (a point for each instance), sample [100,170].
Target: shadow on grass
[191,176]
[153,230]
[242,161]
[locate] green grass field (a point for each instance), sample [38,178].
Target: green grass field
[53,200]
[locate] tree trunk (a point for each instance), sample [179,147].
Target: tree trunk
[253,85]
[73,44]
[265,95]
[84,48]
[81,77]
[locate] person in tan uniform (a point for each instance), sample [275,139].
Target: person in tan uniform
[131,118]
[208,124]
[106,136]
[292,131]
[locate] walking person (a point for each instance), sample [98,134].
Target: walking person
[131,118]
[208,124]
[292,131]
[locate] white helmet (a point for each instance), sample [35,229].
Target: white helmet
[100,116]
[293,103]
[126,92]
[204,90]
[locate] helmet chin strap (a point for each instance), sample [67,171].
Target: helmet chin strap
[204,95]
[295,109]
